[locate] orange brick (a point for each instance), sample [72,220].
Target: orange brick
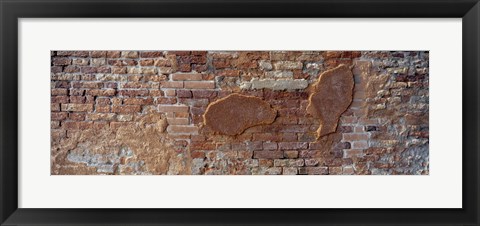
[173,108]
[186,77]
[174,84]
[200,85]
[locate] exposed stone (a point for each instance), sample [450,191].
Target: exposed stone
[287,84]
[332,94]
[235,113]
[279,74]
[288,65]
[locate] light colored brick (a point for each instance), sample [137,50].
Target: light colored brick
[173,108]
[77,107]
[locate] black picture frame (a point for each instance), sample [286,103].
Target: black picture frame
[12,10]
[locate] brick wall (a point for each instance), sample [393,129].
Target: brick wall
[142,112]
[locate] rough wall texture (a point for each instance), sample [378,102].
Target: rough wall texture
[144,112]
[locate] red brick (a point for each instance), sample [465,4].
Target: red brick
[98,54]
[138,101]
[204,93]
[176,84]
[61,61]
[355,136]
[268,154]
[76,116]
[184,93]
[101,92]
[200,85]
[187,77]
[292,145]
[151,54]
[77,99]
[57,92]
[73,53]
[132,93]
[58,116]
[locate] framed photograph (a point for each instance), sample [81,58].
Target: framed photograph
[239,113]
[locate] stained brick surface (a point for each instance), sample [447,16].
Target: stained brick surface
[141,112]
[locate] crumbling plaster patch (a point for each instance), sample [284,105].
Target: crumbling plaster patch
[235,113]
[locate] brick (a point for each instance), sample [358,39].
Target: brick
[182,129]
[151,54]
[173,108]
[73,53]
[146,62]
[132,93]
[61,61]
[77,99]
[89,70]
[175,84]
[58,116]
[199,85]
[76,116]
[317,170]
[54,107]
[101,92]
[270,145]
[355,136]
[268,154]
[88,85]
[291,154]
[349,153]
[311,162]
[126,109]
[100,116]
[288,162]
[290,171]
[113,54]
[57,92]
[138,101]
[178,121]
[71,69]
[186,77]
[360,145]
[77,107]
[59,99]
[98,54]
[80,61]
[292,145]
[70,125]
[121,63]
[119,70]
[98,62]
[102,108]
[129,54]
[307,153]
[184,93]
[204,93]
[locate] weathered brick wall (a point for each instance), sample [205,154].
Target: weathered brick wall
[142,112]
